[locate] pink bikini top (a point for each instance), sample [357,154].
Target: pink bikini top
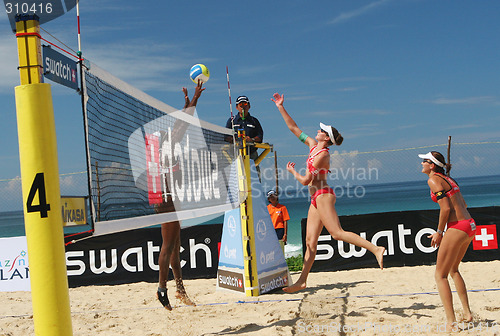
[310,161]
[441,194]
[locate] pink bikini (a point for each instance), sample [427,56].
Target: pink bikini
[467,225]
[314,172]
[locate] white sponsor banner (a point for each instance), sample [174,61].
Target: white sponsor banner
[14,267]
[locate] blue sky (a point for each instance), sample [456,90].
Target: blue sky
[387,73]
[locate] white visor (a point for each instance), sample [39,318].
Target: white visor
[328,130]
[431,157]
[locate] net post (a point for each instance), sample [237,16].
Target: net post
[29,49]
[40,186]
[267,148]
[247,226]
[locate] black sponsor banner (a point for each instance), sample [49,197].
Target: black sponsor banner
[404,235]
[132,256]
[59,68]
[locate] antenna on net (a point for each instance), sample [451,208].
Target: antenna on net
[448,159]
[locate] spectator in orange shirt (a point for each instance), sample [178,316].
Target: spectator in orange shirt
[279,217]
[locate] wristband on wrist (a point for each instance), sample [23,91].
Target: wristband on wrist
[440,232]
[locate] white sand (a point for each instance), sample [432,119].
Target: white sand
[363,300]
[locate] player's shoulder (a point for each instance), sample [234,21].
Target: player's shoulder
[435,182]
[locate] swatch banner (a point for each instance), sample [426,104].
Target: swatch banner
[132,256]
[404,235]
[59,68]
[272,270]
[231,273]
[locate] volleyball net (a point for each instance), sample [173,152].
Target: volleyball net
[151,163]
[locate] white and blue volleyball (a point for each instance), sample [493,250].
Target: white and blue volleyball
[199,72]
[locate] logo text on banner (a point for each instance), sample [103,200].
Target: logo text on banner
[74,210]
[14,268]
[59,68]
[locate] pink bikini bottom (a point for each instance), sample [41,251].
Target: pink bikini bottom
[326,190]
[467,225]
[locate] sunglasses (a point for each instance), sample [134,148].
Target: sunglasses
[245,104]
[427,161]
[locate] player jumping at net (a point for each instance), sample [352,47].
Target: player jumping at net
[322,209]
[171,232]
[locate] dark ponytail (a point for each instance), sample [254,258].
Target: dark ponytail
[447,166]
[338,137]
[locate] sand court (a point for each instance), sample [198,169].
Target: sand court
[393,301]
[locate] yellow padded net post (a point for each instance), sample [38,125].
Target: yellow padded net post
[247,225]
[41,191]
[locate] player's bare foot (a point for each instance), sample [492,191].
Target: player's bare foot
[181,293]
[379,254]
[466,317]
[184,298]
[295,287]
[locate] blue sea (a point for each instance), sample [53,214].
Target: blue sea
[353,200]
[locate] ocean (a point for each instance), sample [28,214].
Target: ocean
[354,200]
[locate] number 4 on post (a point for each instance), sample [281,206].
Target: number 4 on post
[43,207]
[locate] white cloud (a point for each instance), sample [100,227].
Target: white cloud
[143,64]
[343,17]
[348,89]
[467,162]
[404,127]
[3,17]
[8,67]
[465,100]
[374,164]
[360,79]
[252,70]
[354,112]
[247,87]
[462,126]
[66,181]
[301,98]
[13,185]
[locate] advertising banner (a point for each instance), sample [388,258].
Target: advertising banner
[132,256]
[405,236]
[231,269]
[14,266]
[231,249]
[59,68]
[272,269]
[74,210]
[231,272]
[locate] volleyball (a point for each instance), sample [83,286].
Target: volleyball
[199,71]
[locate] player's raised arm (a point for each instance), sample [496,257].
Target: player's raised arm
[292,126]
